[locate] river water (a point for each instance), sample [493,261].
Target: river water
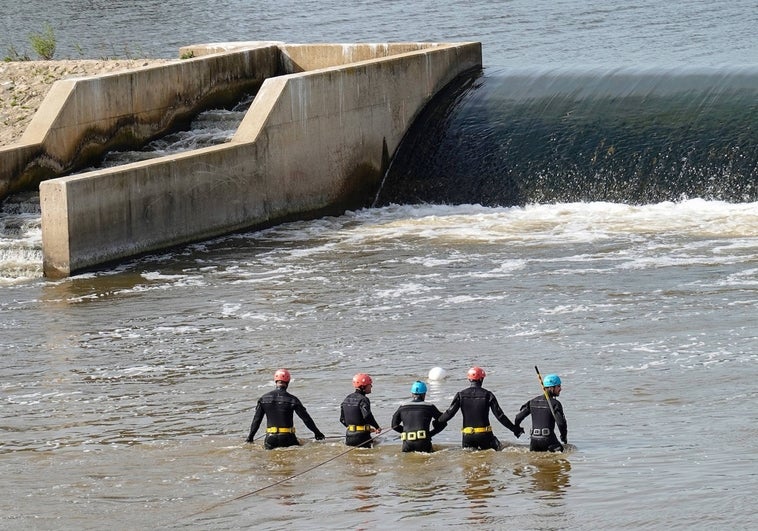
[126,394]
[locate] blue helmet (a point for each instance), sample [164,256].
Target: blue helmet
[418,388]
[551,380]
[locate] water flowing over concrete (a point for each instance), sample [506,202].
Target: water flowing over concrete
[632,135]
[317,139]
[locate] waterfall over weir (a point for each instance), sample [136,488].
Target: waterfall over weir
[513,137]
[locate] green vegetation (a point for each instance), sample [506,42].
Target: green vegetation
[12,54]
[44,43]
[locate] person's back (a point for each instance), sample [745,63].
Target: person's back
[356,415]
[413,420]
[545,417]
[475,404]
[279,406]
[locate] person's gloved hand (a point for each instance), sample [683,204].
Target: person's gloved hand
[518,432]
[319,436]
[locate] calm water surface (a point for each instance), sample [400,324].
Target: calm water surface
[126,394]
[514,33]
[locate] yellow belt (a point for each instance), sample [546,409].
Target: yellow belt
[280,430]
[413,435]
[476,430]
[353,427]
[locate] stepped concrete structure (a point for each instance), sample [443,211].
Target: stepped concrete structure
[316,140]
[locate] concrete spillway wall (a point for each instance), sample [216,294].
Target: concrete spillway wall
[83,118]
[313,142]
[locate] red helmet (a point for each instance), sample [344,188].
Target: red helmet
[361,380]
[282,375]
[476,374]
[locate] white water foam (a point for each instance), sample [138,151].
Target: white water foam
[725,229]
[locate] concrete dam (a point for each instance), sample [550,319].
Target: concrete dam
[317,139]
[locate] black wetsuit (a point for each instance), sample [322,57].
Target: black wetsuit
[543,438]
[475,404]
[279,407]
[413,420]
[356,416]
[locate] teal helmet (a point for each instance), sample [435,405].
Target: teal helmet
[418,388]
[551,380]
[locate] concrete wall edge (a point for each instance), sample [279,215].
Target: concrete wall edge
[315,143]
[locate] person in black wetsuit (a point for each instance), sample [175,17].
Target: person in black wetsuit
[475,404]
[413,419]
[543,438]
[279,406]
[356,415]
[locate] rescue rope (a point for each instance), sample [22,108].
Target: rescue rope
[547,396]
[256,491]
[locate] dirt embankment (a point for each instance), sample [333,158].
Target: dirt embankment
[24,84]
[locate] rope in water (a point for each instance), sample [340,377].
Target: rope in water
[288,478]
